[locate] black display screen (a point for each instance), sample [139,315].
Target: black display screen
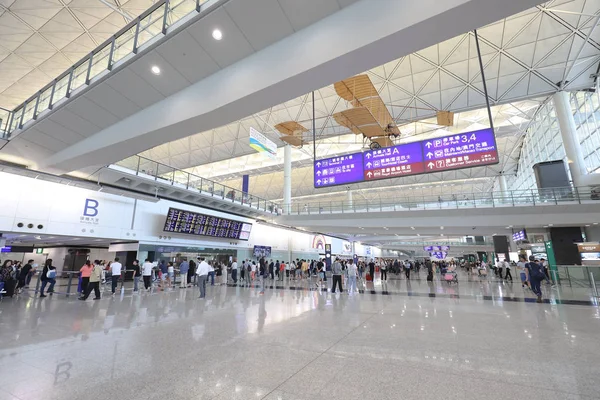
[191,223]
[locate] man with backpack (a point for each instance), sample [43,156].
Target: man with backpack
[536,276]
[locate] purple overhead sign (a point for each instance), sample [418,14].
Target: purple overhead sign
[462,150]
[339,170]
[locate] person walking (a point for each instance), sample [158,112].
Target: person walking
[85,272]
[136,275]
[184,267]
[407,269]
[336,275]
[372,270]
[211,273]
[383,269]
[352,272]
[115,269]
[262,275]
[147,274]
[535,272]
[202,272]
[94,282]
[48,276]
[507,271]
[320,273]
[23,275]
[191,273]
[234,271]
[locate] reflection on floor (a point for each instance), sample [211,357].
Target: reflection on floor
[466,342]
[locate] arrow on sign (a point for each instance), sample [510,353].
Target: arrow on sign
[319,182]
[369,165]
[369,174]
[428,144]
[319,173]
[431,165]
[319,164]
[429,155]
[368,155]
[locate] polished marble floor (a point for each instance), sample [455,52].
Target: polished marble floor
[398,340]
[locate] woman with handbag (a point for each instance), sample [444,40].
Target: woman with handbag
[48,275]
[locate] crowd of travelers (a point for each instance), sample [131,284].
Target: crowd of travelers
[15,277]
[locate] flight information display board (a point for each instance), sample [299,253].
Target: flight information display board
[463,150]
[191,223]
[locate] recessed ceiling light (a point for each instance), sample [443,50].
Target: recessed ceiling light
[595,223]
[217,34]
[418,234]
[588,225]
[385,228]
[412,227]
[155,70]
[545,226]
[550,224]
[441,227]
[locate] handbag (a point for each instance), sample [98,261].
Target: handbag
[51,274]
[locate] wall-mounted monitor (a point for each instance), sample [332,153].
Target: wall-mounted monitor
[191,223]
[262,251]
[519,236]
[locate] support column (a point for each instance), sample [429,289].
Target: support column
[568,132]
[287,179]
[502,181]
[349,199]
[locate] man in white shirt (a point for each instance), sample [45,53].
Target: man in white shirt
[202,272]
[147,274]
[507,273]
[115,269]
[234,270]
[352,272]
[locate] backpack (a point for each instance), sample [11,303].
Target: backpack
[249,268]
[536,270]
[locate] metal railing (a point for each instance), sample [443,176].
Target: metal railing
[585,276]
[152,25]
[435,243]
[511,198]
[163,173]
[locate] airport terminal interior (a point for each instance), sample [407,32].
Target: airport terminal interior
[299,200]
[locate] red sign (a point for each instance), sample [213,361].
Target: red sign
[392,172]
[456,162]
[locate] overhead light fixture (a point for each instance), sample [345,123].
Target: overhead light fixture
[418,234]
[595,223]
[217,34]
[155,70]
[550,224]
[412,227]
[385,228]
[588,225]
[441,227]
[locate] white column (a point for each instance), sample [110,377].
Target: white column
[287,179]
[349,199]
[502,181]
[569,136]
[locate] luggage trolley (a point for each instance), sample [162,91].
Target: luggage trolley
[451,277]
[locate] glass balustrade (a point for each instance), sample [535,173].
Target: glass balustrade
[163,173]
[535,197]
[150,26]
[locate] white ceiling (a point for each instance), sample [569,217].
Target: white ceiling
[40,39]
[17,239]
[525,57]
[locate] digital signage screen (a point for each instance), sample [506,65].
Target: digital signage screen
[395,161]
[462,150]
[519,236]
[339,170]
[262,251]
[191,223]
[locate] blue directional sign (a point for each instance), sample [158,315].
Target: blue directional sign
[339,170]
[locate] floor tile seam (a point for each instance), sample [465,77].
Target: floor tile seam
[489,298]
[319,356]
[461,376]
